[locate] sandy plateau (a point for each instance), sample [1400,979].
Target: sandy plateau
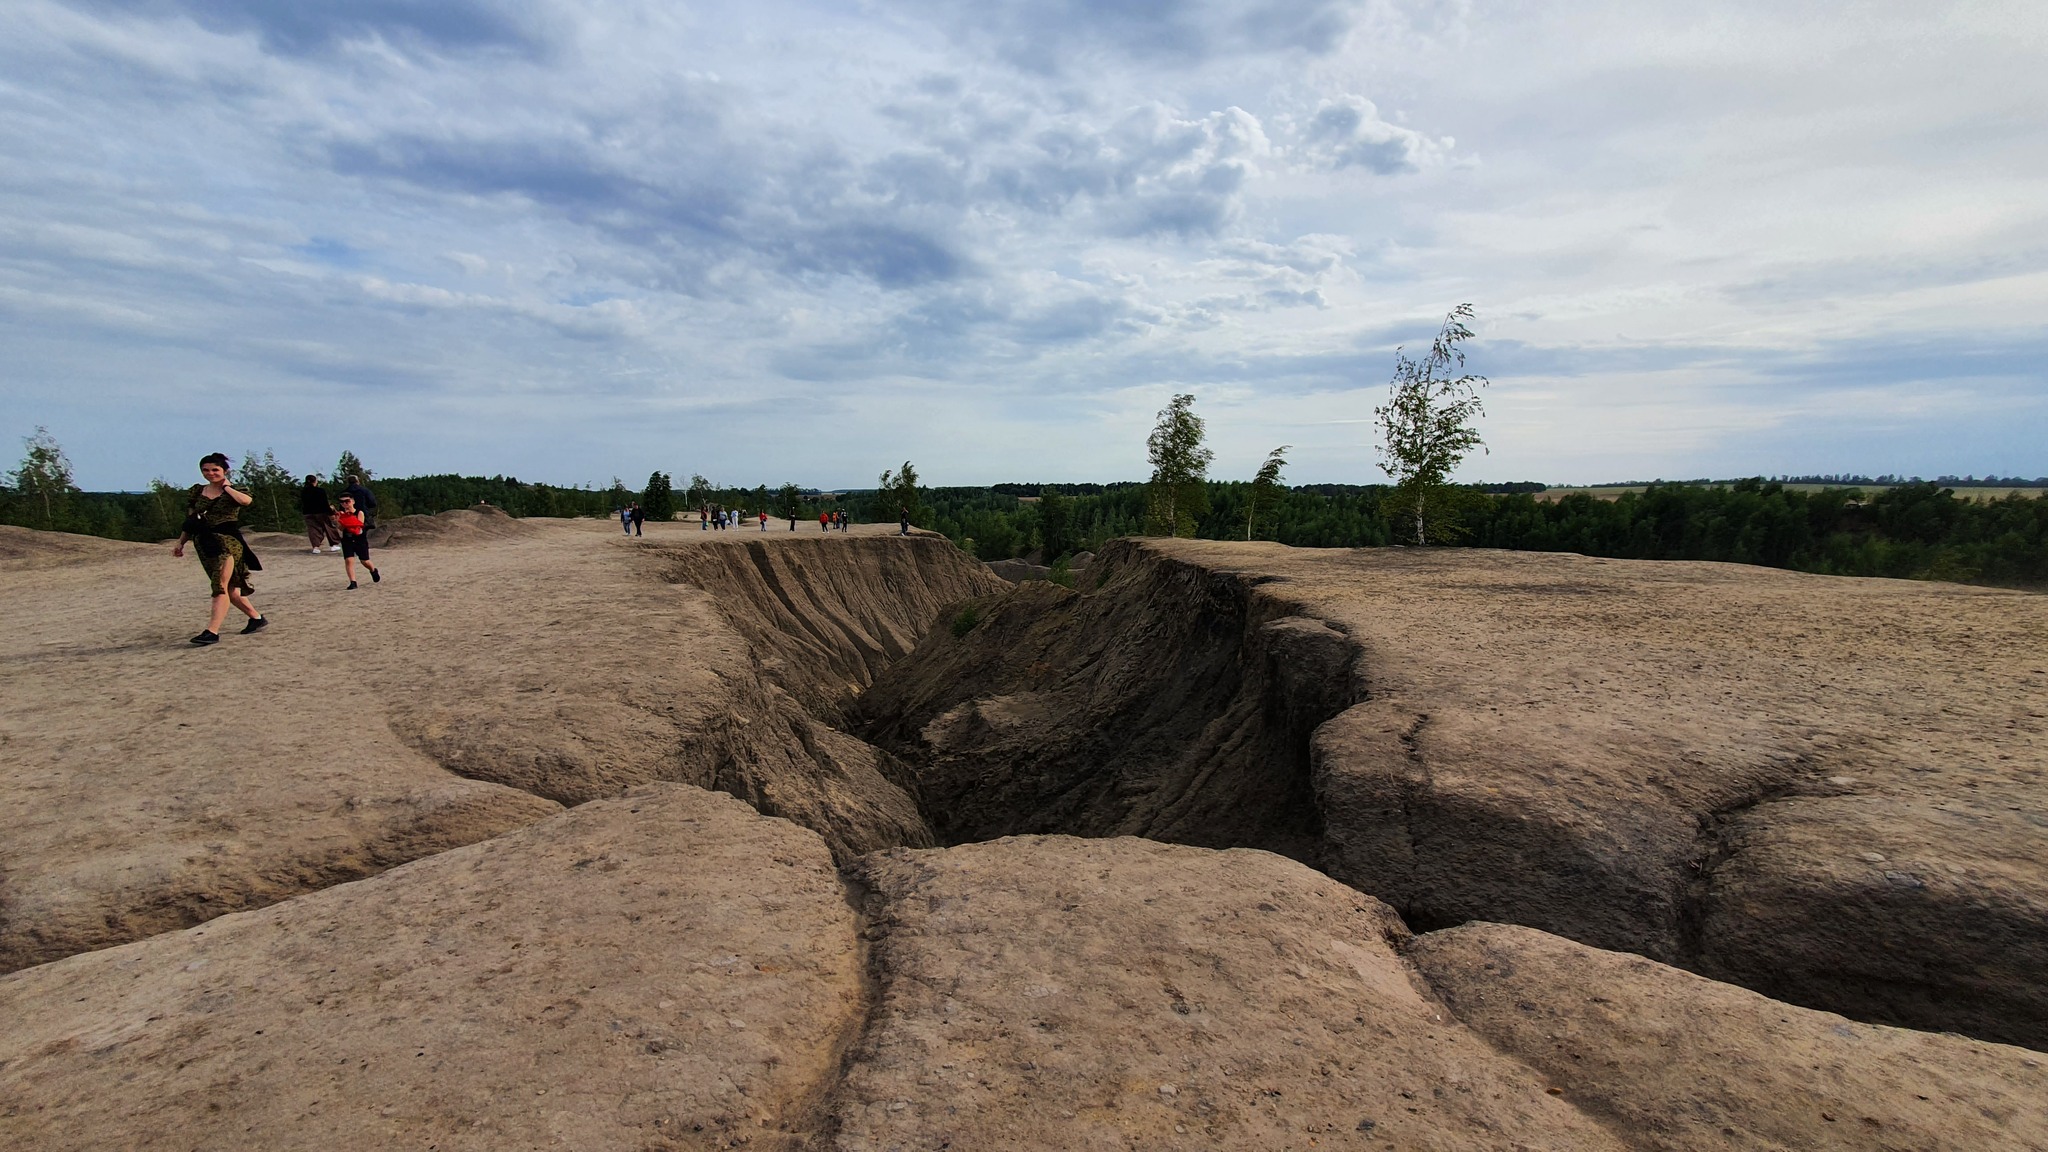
[555,838]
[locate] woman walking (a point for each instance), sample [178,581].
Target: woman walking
[213,526]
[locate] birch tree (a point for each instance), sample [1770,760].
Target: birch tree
[1265,487]
[1426,429]
[1179,489]
[44,478]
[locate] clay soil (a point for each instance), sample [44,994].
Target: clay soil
[151,785]
[1830,790]
[434,861]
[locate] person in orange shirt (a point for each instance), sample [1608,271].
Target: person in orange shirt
[354,544]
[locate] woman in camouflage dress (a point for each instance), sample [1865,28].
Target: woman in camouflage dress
[213,526]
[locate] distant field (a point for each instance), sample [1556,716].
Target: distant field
[1613,491]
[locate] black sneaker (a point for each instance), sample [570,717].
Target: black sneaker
[351,586]
[256,625]
[376,577]
[205,638]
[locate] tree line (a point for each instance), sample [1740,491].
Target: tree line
[1912,531]
[40,493]
[1427,428]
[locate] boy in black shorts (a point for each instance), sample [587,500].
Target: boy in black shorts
[355,545]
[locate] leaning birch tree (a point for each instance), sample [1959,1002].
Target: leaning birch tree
[1426,429]
[1265,487]
[1179,489]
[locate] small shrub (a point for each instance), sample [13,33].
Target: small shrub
[965,620]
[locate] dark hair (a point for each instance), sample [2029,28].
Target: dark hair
[354,479]
[312,481]
[220,458]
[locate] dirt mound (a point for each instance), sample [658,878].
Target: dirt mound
[1825,789]
[1683,1063]
[1043,993]
[27,548]
[666,969]
[1019,571]
[455,526]
[266,543]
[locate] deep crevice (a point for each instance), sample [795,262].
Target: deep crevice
[1173,703]
[1188,704]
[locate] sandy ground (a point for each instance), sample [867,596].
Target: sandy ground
[661,970]
[667,969]
[151,785]
[1833,790]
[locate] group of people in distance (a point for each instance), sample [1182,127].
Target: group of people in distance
[709,516]
[720,517]
[714,516]
[213,527]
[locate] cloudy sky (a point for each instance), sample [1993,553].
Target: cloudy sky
[791,240]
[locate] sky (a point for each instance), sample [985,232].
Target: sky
[789,241]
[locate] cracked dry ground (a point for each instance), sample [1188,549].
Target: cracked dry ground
[559,839]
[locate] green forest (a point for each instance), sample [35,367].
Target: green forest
[1913,530]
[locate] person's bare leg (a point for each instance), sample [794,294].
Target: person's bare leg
[348,564]
[220,603]
[241,600]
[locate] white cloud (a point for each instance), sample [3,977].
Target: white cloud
[554,238]
[1348,132]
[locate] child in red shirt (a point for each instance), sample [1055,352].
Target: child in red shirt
[355,545]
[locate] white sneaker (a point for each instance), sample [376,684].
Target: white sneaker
[316,551]
[331,548]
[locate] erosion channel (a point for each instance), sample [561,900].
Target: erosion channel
[1788,782]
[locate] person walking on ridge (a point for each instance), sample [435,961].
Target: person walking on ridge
[903,519]
[318,514]
[626,519]
[355,542]
[213,526]
[639,517]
